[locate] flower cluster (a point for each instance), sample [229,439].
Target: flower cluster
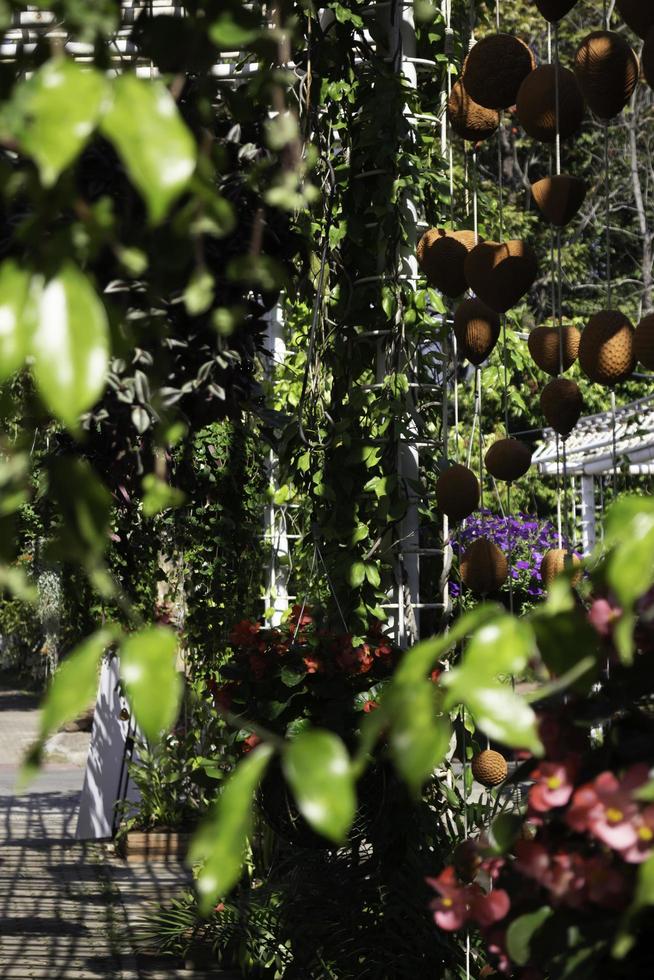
[608,809]
[458,903]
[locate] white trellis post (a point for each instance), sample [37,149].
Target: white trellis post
[275,531]
[588,535]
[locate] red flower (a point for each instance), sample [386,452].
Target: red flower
[370,706]
[605,886]
[258,666]
[436,676]
[383,650]
[458,904]
[300,617]
[606,809]
[312,663]
[243,634]
[250,743]
[642,848]
[352,660]
[553,785]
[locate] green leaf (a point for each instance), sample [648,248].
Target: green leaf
[356,574]
[58,109]
[504,831]
[318,769]
[158,495]
[199,292]
[502,715]
[419,736]
[154,143]
[229,34]
[84,504]
[630,565]
[70,344]
[500,647]
[643,898]
[17,317]
[152,684]
[521,932]
[220,841]
[75,683]
[373,576]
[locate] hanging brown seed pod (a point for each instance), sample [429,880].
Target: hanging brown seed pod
[638,14]
[508,459]
[647,58]
[495,69]
[441,256]
[607,70]
[484,568]
[501,273]
[606,348]
[562,404]
[489,768]
[555,561]
[477,330]
[559,198]
[545,347]
[457,492]
[536,104]
[644,342]
[468,119]
[553,10]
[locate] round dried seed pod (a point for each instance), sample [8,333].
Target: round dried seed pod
[489,768]
[555,561]
[484,568]
[545,347]
[477,330]
[441,256]
[500,273]
[638,14]
[468,119]
[553,10]
[559,198]
[606,348]
[536,104]
[494,70]
[607,70]
[508,459]
[644,342]
[457,492]
[647,59]
[562,404]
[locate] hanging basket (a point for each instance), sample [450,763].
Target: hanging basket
[555,561]
[441,256]
[606,348]
[468,119]
[553,10]
[495,69]
[545,347]
[484,568]
[638,14]
[562,404]
[559,198]
[536,104]
[477,330]
[501,274]
[457,492]
[607,71]
[644,342]
[508,459]
[489,768]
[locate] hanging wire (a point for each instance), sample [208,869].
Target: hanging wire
[481,445]
[614,443]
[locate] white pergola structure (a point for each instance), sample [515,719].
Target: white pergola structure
[597,446]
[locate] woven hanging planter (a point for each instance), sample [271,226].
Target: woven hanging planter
[536,104]
[489,768]
[457,492]
[484,568]
[606,348]
[607,71]
[647,58]
[477,330]
[508,459]
[468,119]
[495,69]
[553,10]
[644,342]
[638,14]
[441,256]
[562,404]
[555,561]
[501,274]
[545,347]
[559,198]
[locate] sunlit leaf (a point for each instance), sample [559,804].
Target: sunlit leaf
[17,316]
[318,769]
[75,683]
[502,715]
[643,898]
[503,646]
[521,932]
[152,683]
[159,495]
[419,735]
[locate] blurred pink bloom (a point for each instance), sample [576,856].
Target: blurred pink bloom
[458,904]
[602,615]
[606,809]
[553,785]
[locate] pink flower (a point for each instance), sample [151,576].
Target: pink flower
[553,785]
[606,809]
[562,873]
[250,743]
[602,616]
[370,706]
[642,848]
[458,904]
[312,663]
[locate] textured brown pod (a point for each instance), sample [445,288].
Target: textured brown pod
[468,119]
[441,256]
[559,198]
[647,58]
[553,10]
[607,70]
[457,492]
[501,273]
[489,768]
[562,404]
[484,568]
[545,347]
[495,69]
[536,104]
[508,459]
[477,329]
[606,348]
[644,342]
[638,14]
[555,561]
